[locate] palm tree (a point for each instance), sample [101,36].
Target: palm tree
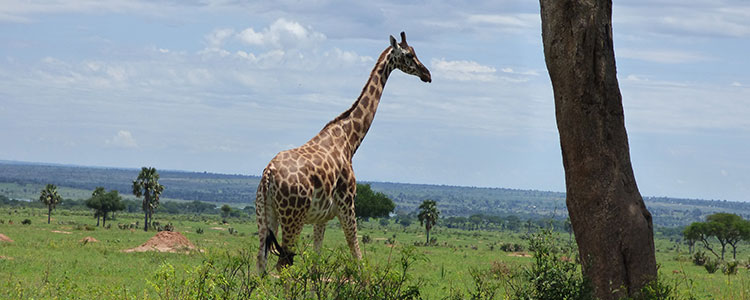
[50,197]
[428,215]
[147,185]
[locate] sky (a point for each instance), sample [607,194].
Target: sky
[222,86]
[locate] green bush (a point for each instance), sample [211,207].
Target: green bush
[550,276]
[26,222]
[334,275]
[730,268]
[711,266]
[699,258]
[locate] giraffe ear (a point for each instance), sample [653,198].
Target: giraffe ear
[403,38]
[394,44]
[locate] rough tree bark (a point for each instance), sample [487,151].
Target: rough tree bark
[612,226]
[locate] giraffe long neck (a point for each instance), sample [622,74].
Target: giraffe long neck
[355,122]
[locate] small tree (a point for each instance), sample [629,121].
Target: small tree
[110,202]
[428,216]
[369,204]
[50,197]
[404,221]
[147,185]
[700,231]
[225,211]
[691,236]
[95,203]
[728,229]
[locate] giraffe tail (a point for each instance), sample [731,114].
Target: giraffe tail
[272,244]
[265,194]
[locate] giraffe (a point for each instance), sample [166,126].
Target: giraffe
[315,182]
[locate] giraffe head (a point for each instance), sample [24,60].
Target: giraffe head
[405,59]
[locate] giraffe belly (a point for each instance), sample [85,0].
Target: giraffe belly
[321,211]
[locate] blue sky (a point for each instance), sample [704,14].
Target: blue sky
[222,86]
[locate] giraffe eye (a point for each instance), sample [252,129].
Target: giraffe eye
[409,55]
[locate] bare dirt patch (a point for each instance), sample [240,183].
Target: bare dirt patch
[166,241]
[218,228]
[519,254]
[5,238]
[63,232]
[88,239]
[5,257]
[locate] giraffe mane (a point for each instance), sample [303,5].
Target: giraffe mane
[346,113]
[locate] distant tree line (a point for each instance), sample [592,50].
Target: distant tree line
[131,206]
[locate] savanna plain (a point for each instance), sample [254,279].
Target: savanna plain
[56,261]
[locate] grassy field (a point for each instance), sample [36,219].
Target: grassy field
[45,261]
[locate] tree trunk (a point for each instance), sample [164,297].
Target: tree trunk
[49,213]
[428,235]
[104,220]
[97,219]
[146,208]
[613,228]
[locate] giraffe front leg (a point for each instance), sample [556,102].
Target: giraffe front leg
[319,234]
[348,222]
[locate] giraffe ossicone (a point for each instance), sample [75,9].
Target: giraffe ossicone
[315,182]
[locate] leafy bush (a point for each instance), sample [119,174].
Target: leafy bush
[26,222]
[656,290]
[366,239]
[699,258]
[551,277]
[730,268]
[199,230]
[333,276]
[711,266]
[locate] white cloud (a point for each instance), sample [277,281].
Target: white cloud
[123,139]
[217,37]
[662,56]
[463,70]
[506,20]
[512,71]
[282,33]
[350,57]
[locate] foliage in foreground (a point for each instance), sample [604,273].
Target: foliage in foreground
[332,276]
[553,274]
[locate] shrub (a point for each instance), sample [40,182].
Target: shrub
[384,222]
[333,276]
[366,239]
[26,222]
[699,258]
[711,266]
[549,276]
[199,230]
[730,268]
[655,290]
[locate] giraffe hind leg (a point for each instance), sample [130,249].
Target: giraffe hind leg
[318,235]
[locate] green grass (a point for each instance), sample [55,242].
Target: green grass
[47,263]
